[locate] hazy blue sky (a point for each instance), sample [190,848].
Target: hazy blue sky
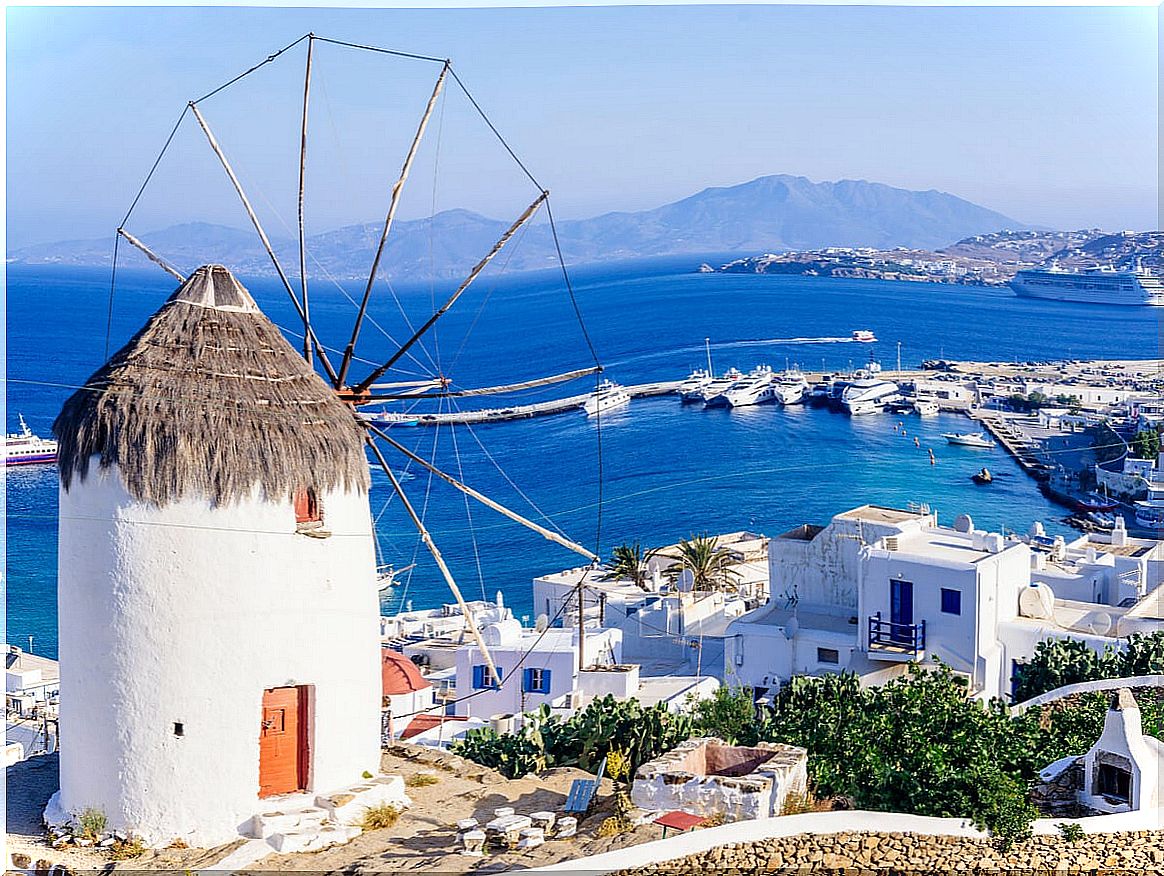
[1048,115]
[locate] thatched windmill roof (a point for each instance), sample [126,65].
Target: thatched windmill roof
[209,400]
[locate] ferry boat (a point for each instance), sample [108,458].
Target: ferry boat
[26,448]
[864,336]
[755,389]
[790,386]
[607,397]
[1091,287]
[869,393]
[968,439]
[719,385]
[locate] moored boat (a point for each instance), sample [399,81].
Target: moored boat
[27,448]
[790,386]
[607,397]
[691,389]
[925,407]
[869,393]
[720,385]
[755,389]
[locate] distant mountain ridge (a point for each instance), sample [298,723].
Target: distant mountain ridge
[771,213]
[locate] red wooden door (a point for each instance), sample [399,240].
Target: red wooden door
[282,752]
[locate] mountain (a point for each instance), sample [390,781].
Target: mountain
[771,214]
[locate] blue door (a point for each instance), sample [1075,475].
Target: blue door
[901,610]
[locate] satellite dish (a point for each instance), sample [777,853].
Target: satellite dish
[963,523]
[542,623]
[1100,623]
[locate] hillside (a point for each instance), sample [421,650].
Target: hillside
[983,259]
[771,213]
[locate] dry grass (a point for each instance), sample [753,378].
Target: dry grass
[379,817]
[796,804]
[421,780]
[127,849]
[209,403]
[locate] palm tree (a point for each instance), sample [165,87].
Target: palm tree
[710,565]
[629,562]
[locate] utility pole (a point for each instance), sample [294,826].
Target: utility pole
[581,628]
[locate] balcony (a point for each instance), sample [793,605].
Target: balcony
[894,641]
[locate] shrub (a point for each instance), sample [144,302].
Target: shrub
[379,816]
[795,804]
[91,823]
[1071,832]
[421,780]
[616,825]
[1058,662]
[126,849]
[730,714]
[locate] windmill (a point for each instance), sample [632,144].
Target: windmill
[378,385]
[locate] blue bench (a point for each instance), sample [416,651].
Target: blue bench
[582,792]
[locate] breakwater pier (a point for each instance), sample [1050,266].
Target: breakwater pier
[514,412]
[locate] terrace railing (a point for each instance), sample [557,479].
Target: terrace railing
[897,637]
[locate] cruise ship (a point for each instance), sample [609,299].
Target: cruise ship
[1091,287]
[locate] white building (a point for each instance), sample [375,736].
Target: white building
[31,682]
[219,639]
[535,667]
[880,587]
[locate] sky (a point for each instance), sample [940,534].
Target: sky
[1048,115]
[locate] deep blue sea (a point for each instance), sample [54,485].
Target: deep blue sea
[667,471]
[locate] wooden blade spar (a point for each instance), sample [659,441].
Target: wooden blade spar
[397,190]
[362,387]
[483,390]
[548,534]
[470,622]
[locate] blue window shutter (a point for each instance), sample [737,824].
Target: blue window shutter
[478,677]
[545,681]
[527,681]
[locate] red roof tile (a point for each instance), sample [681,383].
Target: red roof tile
[427,721]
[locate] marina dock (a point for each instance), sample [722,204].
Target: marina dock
[517,412]
[1022,449]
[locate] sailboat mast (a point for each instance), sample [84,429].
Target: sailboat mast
[707,343]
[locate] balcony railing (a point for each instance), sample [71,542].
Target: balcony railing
[901,638]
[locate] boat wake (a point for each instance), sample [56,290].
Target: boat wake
[730,345]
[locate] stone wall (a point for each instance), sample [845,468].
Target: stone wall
[1131,852]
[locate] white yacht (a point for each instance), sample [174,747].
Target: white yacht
[719,385]
[1091,287]
[607,397]
[755,389]
[869,393]
[968,439]
[691,389]
[791,386]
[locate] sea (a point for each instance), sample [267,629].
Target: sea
[654,472]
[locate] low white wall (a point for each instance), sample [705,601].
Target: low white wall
[1102,684]
[852,821]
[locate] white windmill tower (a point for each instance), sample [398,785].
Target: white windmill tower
[217,596]
[218,613]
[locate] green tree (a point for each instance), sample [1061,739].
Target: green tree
[628,562]
[1057,662]
[710,565]
[730,714]
[1146,444]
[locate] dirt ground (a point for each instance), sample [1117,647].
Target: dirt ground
[424,839]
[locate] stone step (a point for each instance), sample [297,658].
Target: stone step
[282,820]
[309,839]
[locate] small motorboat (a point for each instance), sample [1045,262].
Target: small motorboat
[982,477]
[968,439]
[864,336]
[1093,502]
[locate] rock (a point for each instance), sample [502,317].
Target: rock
[473,843]
[565,827]
[467,824]
[21,861]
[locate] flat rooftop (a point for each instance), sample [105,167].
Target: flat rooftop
[1124,550]
[878,514]
[942,544]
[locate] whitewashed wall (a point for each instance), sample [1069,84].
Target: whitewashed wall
[186,614]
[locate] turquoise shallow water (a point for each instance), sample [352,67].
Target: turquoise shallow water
[668,471]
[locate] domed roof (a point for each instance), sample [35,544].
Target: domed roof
[209,400]
[399,675]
